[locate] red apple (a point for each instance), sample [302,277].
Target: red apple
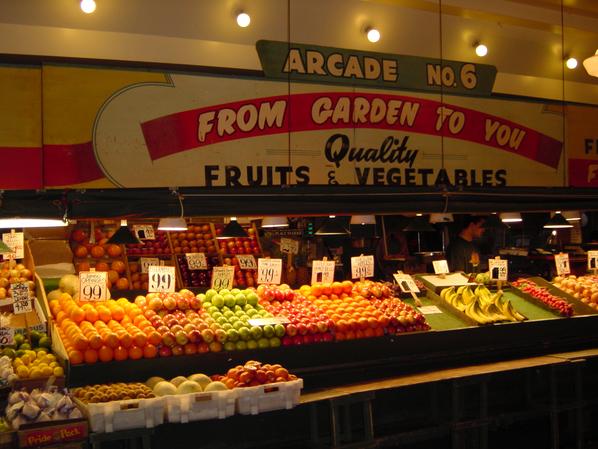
[178,350]
[165,351]
[169,339]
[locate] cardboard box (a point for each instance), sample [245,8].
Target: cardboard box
[52,258]
[44,434]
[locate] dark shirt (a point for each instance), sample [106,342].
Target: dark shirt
[459,254]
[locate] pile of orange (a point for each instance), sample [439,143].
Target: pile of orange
[335,290]
[104,331]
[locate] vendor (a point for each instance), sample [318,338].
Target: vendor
[463,253]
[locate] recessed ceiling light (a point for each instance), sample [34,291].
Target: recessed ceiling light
[373,34]
[88,6]
[571,63]
[481,50]
[243,19]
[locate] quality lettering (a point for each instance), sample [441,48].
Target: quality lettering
[392,150]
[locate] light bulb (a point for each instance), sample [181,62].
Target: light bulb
[373,35]
[88,6]
[571,63]
[243,20]
[481,50]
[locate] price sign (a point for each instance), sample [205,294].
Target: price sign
[499,269]
[197,261]
[440,266]
[147,262]
[14,240]
[429,310]
[144,232]
[562,264]
[20,296]
[322,272]
[267,321]
[93,285]
[161,279]
[593,260]
[289,246]
[362,267]
[406,283]
[222,277]
[7,336]
[246,262]
[269,271]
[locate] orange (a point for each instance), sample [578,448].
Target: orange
[102,266]
[111,340]
[126,320]
[90,356]
[154,338]
[95,341]
[139,339]
[316,290]
[81,342]
[120,353]
[92,315]
[117,313]
[105,354]
[150,351]
[337,288]
[75,357]
[125,339]
[77,314]
[135,352]
[326,289]
[347,286]
[104,313]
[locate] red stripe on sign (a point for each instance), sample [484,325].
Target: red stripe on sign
[22,168]
[70,164]
[583,172]
[196,128]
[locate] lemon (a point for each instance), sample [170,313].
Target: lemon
[58,371]
[41,354]
[51,357]
[35,373]
[23,372]
[47,371]
[41,366]
[53,364]
[17,362]
[26,359]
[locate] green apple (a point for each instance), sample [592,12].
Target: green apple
[252,313]
[227,326]
[213,309]
[244,333]
[229,313]
[210,293]
[275,342]
[248,307]
[241,345]
[256,332]
[252,298]
[232,335]
[230,346]
[238,325]
[224,291]
[218,301]
[279,330]
[235,291]
[201,297]
[221,320]
[229,300]
[240,299]
[263,343]
[237,309]
[251,344]
[268,331]
[264,313]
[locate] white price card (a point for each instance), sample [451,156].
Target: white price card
[268,321]
[289,246]
[592,260]
[222,277]
[246,261]
[429,310]
[440,266]
[21,298]
[161,279]
[93,285]
[499,269]
[7,336]
[269,271]
[322,272]
[197,261]
[362,267]
[14,240]
[406,283]
[144,232]
[147,262]
[562,264]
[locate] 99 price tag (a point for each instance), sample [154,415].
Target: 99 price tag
[196,261]
[362,267]
[440,266]
[322,272]
[161,279]
[7,336]
[222,277]
[20,296]
[269,271]
[147,262]
[93,285]
[499,269]
[562,264]
[246,262]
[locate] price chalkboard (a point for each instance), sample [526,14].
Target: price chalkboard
[161,279]
[147,262]
[289,246]
[14,240]
[269,271]
[246,262]
[144,232]
[499,269]
[222,277]
[197,261]
[7,336]
[440,266]
[406,283]
[562,264]
[21,298]
[362,267]
[93,286]
[322,272]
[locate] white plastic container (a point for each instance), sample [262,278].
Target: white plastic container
[267,397]
[112,416]
[199,406]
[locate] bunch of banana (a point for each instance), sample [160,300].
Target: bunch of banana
[481,305]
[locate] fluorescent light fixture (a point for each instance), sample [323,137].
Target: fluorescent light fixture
[372,34]
[481,50]
[123,235]
[172,224]
[591,64]
[363,220]
[88,6]
[557,221]
[572,215]
[18,222]
[232,229]
[441,218]
[275,222]
[511,217]
[243,19]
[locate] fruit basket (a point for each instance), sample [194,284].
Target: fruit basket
[267,397]
[549,297]
[231,247]
[112,416]
[200,406]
